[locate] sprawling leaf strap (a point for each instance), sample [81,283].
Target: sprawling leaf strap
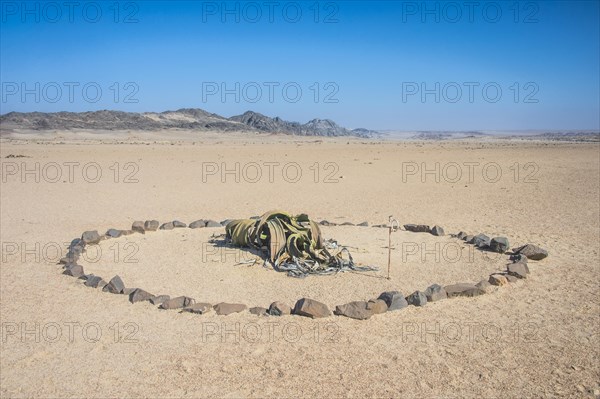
[294,244]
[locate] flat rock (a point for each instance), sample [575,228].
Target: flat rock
[519,270]
[91,237]
[224,309]
[437,231]
[74,270]
[498,279]
[499,244]
[138,226]
[417,228]
[484,285]
[257,310]
[279,309]
[198,308]
[139,295]
[363,224]
[114,286]
[354,310]
[311,308]
[157,300]
[212,223]
[377,306]
[114,233]
[178,224]
[177,303]
[481,241]
[511,278]
[417,298]
[151,225]
[435,292]
[327,223]
[531,251]
[167,226]
[394,300]
[463,289]
[197,224]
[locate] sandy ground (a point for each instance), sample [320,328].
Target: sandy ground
[537,337]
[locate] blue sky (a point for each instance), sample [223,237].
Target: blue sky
[381,65]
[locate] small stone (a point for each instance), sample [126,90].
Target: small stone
[93,281]
[377,306]
[212,223]
[74,270]
[469,239]
[481,241]
[499,244]
[417,298]
[394,299]
[516,258]
[327,223]
[463,289]
[224,309]
[435,292]
[177,223]
[311,308]
[167,226]
[519,270]
[226,222]
[363,224]
[461,235]
[127,232]
[484,285]
[177,303]
[437,231]
[198,224]
[498,279]
[151,225]
[138,226]
[417,228]
[279,309]
[91,237]
[128,291]
[354,310]
[114,286]
[157,300]
[257,310]
[347,224]
[140,295]
[198,308]
[511,278]
[114,233]
[531,251]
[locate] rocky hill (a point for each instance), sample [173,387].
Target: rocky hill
[187,118]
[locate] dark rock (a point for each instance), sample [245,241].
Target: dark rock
[498,279]
[151,225]
[363,224]
[531,251]
[417,228]
[437,231]
[140,295]
[255,217]
[198,308]
[279,309]
[417,298]
[499,244]
[461,235]
[327,223]
[481,241]
[354,310]
[157,300]
[394,300]
[469,239]
[311,308]
[74,270]
[177,223]
[347,224]
[114,286]
[167,226]
[177,303]
[519,270]
[435,292]
[198,224]
[94,282]
[212,223]
[257,310]
[518,258]
[113,233]
[377,306]
[138,226]
[224,309]
[463,289]
[91,237]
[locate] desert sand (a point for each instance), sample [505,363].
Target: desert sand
[536,337]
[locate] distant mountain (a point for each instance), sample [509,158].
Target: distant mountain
[187,118]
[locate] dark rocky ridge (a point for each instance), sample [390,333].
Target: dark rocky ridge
[187,118]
